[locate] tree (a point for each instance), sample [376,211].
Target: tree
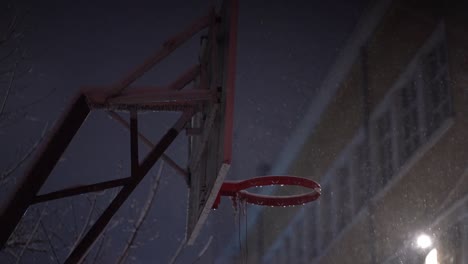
[13,66]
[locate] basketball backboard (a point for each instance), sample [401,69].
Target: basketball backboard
[210,150]
[206,115]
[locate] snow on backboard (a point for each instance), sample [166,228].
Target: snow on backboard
[210,150]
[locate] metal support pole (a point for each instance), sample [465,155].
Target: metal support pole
[47,157]
[231,79]
[153,95]
[134,142]
[80,190]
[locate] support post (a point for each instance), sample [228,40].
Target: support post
[134,142]
[47,157]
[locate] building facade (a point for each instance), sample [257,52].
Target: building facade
[387,138]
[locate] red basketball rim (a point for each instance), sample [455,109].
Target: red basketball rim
[237,189]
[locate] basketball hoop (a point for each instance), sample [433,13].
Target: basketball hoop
[236,189]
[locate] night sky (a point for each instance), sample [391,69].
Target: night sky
[284,50]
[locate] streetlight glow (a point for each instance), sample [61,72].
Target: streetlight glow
[424,241]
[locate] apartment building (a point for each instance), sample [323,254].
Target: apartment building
[387,137]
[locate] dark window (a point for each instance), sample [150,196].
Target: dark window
[311,238]
[343,201]
[436,91]
[409,122]
[464,239]
[260,241]
[384,148]
[288,250]
[326,217]
[299,242]
[280,256]
[361,182]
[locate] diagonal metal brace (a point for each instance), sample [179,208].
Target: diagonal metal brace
[80,190]
[47,157]
[150,144]
[95,231]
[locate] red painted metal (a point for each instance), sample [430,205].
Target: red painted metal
[134,142]
[217,72]
[168,47]
[96,187]
[150,95]
[236,189]
[230,81]
[172,98]
[170,106]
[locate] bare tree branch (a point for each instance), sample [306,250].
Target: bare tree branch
[182,245]
[54,254]
[5,175]
[7,56]
[27,237]
[86,224]
[13,243]
[33,233]
[11,30]
[10,85]
[11,253]
[20,112]
[99,251]
[203,251]
[143,215]
[59,237]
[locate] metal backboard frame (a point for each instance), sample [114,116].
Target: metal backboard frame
[206,116]
[210,152]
